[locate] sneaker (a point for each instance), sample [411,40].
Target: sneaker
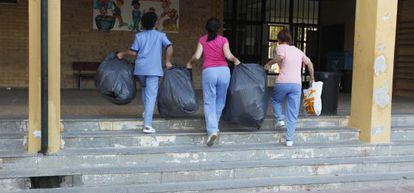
[289,143]
[280,125]
[211,139]
[148,130]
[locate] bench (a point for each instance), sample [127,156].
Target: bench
[84,70]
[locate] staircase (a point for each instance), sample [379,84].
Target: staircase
[104,155]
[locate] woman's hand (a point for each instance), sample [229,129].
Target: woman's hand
[311,81]
[267,66]
[120,55]
[236,61]
[189,65]
[168,65]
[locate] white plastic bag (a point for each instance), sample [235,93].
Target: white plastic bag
[312,99]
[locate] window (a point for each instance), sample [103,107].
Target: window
[252,26]
[273,31]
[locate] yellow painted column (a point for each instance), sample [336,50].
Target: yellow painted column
[34,77]
[54,25]
[375,30]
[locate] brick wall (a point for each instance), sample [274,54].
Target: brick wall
[13,45]
[81,43]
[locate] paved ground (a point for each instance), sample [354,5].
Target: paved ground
[399,189]
[88,103]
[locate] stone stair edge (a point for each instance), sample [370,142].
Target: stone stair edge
[196,149]
[174,167]
[165,119]
[163,132]
[378,178]
[227,148]
[25,120]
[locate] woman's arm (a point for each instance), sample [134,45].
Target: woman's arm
[122,55]
[309,65]
[279,59]
[196,56]
[311,71]
[168,57]
[229,56]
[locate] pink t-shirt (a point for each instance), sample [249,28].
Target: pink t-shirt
[291,66]
[213,54]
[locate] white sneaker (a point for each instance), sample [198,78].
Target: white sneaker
[148,130]
[211,139]
[289,143]
[280,125]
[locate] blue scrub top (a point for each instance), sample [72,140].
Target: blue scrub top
[148,45]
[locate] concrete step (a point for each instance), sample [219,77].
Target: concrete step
[191,124]
[127,138]
[401,134]
[258,185]
[20,126]
[173,173]
[13,126]
[403,120]
[12,142]
[125,157]
[134,138]
[14,184]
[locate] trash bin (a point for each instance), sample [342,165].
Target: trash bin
[330,91]
[346,82]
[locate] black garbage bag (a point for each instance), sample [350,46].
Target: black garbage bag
[176,96]
[247,98]
[115,80]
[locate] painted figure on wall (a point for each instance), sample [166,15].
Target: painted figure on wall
[136,15]
[104,22]
[102,4]
[169,16]
[117,13]
[126,15]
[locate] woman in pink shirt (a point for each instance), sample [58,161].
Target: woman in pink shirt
[288,84]
[215,76]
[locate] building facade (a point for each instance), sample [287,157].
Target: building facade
[367,29]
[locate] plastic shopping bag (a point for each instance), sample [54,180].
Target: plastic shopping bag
[312,99]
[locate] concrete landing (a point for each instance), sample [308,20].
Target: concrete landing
[88,103]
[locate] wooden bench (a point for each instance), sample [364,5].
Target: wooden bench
[84,70]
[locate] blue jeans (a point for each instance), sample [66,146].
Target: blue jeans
[215,82]
[149,91]
[292,93]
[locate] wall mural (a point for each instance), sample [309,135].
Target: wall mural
[125,15]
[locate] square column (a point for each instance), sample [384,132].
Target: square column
[54,29]
[375,31]
[34,126]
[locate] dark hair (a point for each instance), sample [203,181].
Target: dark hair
[149,19]
[284,37]
[213,25]
[135,2]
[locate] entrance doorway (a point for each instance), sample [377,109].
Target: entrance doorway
[252,25]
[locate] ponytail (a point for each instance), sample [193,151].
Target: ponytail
[211,36]
[213,25]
